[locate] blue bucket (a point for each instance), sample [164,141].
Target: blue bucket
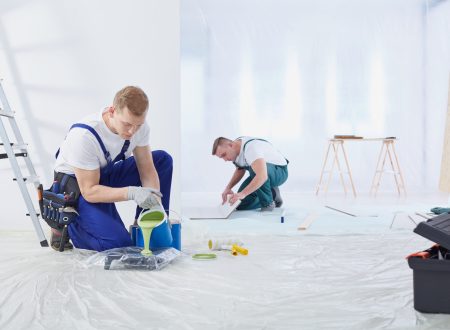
[176,235]
[160,238]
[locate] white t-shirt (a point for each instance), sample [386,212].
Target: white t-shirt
[81,149]
[258,149]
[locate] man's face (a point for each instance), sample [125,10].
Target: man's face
[125,123]
[226,152]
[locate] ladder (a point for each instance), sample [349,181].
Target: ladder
[12,152]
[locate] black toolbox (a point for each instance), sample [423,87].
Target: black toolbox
[431,268]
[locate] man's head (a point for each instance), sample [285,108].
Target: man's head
[226,149]
[128,112]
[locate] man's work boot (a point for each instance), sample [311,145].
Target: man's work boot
[55,240]
[268,208]
[277,196]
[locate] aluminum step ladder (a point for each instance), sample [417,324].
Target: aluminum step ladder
[12,152]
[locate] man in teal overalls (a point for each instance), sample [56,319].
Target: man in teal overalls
[267,169]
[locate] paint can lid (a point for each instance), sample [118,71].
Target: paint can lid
[204,256]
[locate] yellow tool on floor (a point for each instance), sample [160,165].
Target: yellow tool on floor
[233,244]
[235,249]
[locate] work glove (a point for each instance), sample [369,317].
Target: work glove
[145,197]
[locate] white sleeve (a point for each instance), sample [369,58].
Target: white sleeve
[253,152]
[144,137]
[81,150]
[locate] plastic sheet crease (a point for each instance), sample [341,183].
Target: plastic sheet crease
[286,282]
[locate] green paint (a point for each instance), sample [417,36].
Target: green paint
[149,220]
[147,228]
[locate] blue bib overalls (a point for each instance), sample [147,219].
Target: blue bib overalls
[99,226]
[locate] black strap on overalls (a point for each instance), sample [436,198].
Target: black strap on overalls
[68,182]
[109,161]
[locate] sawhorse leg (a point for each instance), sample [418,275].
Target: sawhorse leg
[388,151]
[334,145]
[348,169]
[397,171]
[378,171]
[323,168]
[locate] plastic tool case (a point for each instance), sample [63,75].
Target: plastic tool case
[431,268]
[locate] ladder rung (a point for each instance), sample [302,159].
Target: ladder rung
[17,145]
[37,213]
[4,113]
[20,146]
[31,178]
[19,154]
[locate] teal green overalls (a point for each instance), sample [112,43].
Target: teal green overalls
[262,197]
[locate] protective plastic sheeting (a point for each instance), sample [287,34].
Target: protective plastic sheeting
[292,281]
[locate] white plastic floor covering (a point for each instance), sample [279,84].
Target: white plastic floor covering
[342,273]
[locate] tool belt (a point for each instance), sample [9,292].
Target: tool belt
[59,203]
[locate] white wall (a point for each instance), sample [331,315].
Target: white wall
[298,72]
[61,60]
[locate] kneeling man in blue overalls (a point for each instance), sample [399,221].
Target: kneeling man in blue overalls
[267,169]
[108,156]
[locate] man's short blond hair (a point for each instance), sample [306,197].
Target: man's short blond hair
[133,98]
[220,141]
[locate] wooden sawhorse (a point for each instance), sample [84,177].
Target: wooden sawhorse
[336,146]
[388,151]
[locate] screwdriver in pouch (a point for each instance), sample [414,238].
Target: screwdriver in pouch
[55,187]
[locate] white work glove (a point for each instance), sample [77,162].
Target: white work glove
[144,197]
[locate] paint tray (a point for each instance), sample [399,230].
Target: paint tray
[130,258]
